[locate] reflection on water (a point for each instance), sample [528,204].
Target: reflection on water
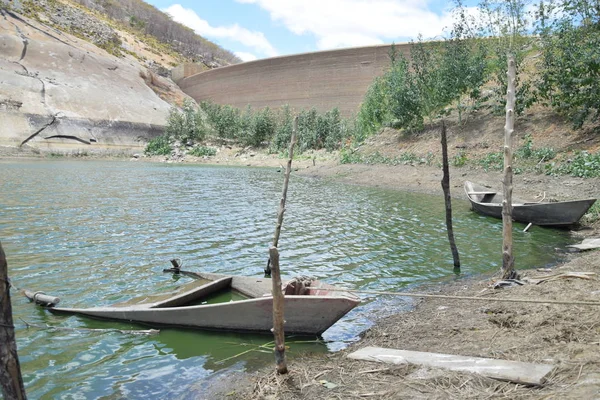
[95,233]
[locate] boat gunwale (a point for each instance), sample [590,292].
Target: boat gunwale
[492,209]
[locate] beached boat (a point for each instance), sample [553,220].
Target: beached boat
[561,213]
[246,304]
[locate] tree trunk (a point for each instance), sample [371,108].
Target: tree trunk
[447,199]
[508,262]
[288,171]
[10,369]
[278,302]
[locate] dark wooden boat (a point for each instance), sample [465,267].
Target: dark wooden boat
[310,306]
[561,213]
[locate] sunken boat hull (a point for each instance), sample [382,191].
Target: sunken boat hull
[312,312]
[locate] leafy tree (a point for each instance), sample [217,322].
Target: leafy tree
[570,62]
[404,95]
[186,125]
[283,130]
[505,28]
[463,64]
[262,127]
[427,69]
[374,110]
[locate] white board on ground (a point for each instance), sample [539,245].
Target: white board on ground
[513,371]
[587,244]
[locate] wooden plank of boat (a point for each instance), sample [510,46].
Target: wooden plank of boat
[563,213]
[512,371]
[310,313]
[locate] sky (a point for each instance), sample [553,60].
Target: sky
[255,29]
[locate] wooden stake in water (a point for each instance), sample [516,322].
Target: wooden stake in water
[508,262]
[278,302]
[447,200]
[286,180]
[10,369]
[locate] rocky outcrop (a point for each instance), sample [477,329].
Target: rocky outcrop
[59,93]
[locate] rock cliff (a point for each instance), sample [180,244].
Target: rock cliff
[61,94]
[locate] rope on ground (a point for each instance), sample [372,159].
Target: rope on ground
[441,296]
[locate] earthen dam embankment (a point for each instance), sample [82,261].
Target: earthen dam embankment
[323,80]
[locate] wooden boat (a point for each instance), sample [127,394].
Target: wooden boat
[310,306]
[561,213]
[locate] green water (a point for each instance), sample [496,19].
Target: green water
[96,233]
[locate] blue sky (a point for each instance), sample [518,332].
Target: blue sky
[255,29]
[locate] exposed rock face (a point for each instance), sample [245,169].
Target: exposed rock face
[59,93]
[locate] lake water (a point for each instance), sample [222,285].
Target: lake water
[94,233]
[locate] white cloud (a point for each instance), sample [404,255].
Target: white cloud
[252,39]
[346,23]
[244,56]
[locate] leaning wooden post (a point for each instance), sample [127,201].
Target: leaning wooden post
[10,369]
[447,200]
[508,262]
[278,302]
[286,180]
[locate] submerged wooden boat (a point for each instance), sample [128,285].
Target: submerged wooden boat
[310,307]
[561,213]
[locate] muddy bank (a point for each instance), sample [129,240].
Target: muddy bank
[566,336]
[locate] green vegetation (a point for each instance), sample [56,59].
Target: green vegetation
[203,151]
[582,165]
[570,68]
[273,128]
[492,161]
[450,74]
[186,125]
[459,160]
[461,74]
[438,75]
[159,146]
[256,128]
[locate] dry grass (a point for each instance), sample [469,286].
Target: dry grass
[565,336]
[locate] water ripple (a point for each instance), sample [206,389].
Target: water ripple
[98,232]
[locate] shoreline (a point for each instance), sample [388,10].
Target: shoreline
[567,337]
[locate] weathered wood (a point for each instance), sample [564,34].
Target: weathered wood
[447,199]
[309,314]
[41,298]
[10,369]
[512,371]
[587,244]
[560,213]
[286,180]
[278,302]
[508,262]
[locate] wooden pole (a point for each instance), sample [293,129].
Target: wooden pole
[278,302]
[508,262]
[286,180]
[447,200]
[10,369]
